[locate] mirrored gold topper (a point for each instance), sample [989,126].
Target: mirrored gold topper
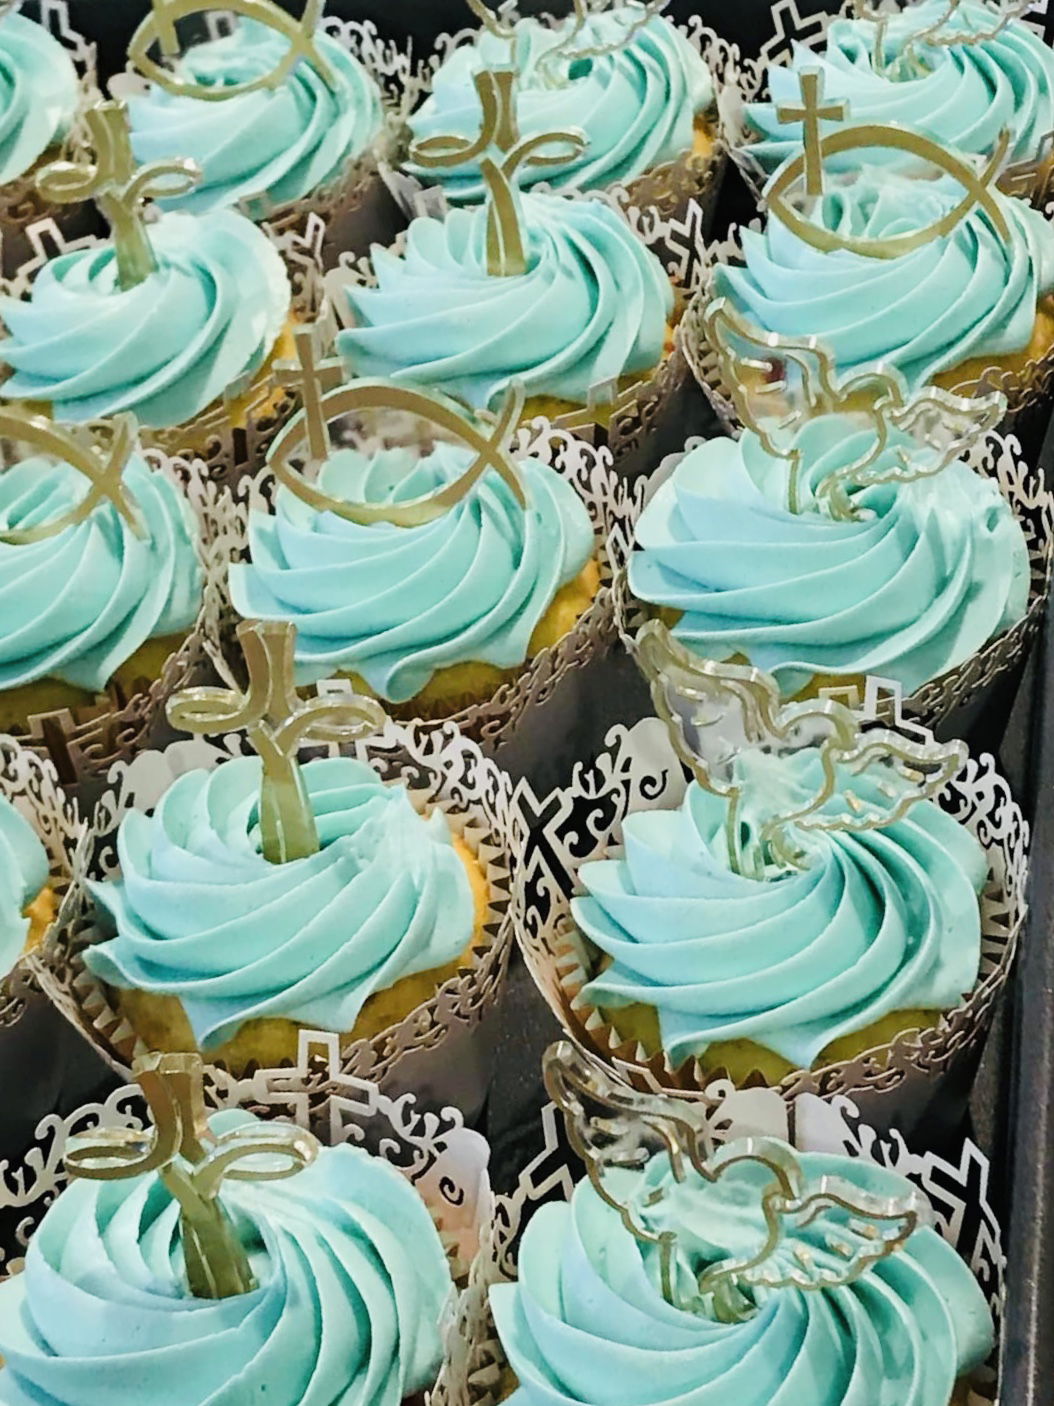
[193,1163]
[319,381]
[748,747]
[616,1129]
[808,171]
[910,61]
[160,29]
[119,188]
[499,131]
[780,384]
[100,452]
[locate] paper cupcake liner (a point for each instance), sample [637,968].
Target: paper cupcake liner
[892,1083]
[477,1372]
[1024,488]
[492,720]
[441,769]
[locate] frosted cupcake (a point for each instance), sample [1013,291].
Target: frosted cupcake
[40,96]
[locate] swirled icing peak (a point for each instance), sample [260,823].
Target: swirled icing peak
[78,605]
[206,320]
[635,105]
[23,873]
[926,574]
[963,95]
[39,93]
[591,308]
[880,921]
[587,1311]
[201,915]
[963,295]
[279,144]
[352,1281]
[394,604]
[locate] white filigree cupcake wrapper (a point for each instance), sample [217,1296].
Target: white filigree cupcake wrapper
[897,1081]
[432,1050]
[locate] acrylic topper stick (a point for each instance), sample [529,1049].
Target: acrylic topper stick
[499,130]
[193,1164]
[159,28]
[750,748]
[277,722]
[817,1235]
[119,188]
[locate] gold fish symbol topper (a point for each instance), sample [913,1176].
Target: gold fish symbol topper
[942,32]
[193,1163]
[979,190]
[277,722]
[319,382]
[780,385]
[101,453]
[787,771]
[499,130]
[160,29]
[816,1235]
[119,188]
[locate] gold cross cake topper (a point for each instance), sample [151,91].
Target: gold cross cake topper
[818,1235]
[119,188]
[936,35]
[320,383]
[499,131]
[979,187]
[788,770]
[100,452]
[193,1163]
[780,384]
[639,14]
[277,722]
[160,28]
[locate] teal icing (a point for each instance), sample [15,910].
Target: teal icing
[927,574]
[166,349]
[963,95]
[39,94]
[281,144]
[635,106]
[76,606]
[964,295]
[201,915]
[394,604]
[587,1323]
[591,308]
[880,921]
[352,1283]
[23,873]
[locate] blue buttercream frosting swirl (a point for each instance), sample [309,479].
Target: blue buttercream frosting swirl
[39,94]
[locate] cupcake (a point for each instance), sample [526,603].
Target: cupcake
[347,1282]
[431,618]
[980,75]
[28,901]
[691,1307]
[214,948]
[630,81]
[748,556]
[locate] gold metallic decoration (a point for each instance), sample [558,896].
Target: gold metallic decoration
[910,62]
[101,453]
[615,1129]
[118,187]
[979,188]
[745,744]
[506,256]
[193,1163]
[277,721]
[756,367]
[319,382]
[160,28]
[810,114]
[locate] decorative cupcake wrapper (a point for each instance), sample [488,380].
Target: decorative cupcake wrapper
[440,768]
[607,499]
[583,822]
[32,786]
[477,1372]
[1024,488]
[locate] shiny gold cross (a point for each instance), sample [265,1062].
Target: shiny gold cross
[811,112]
